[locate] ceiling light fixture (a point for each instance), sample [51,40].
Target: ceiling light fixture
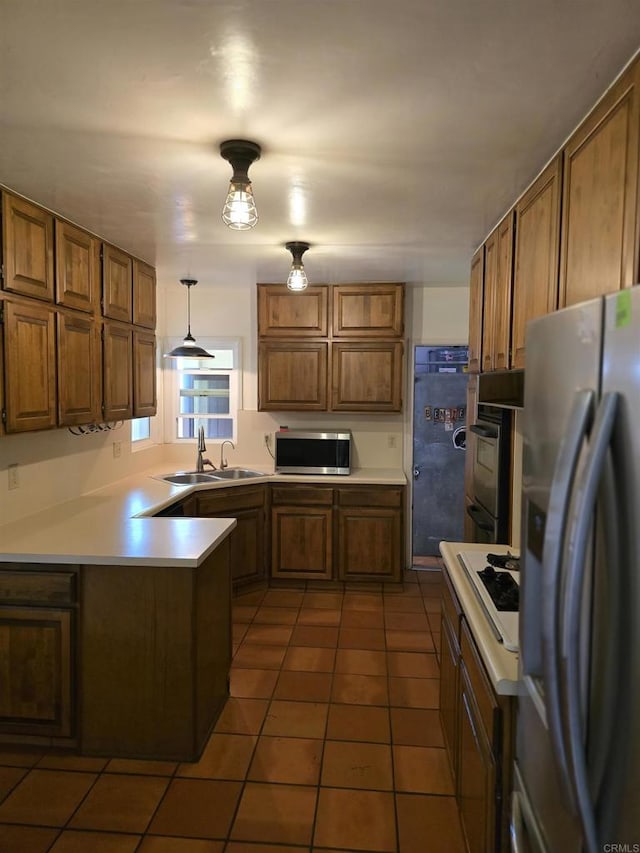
[188,348]
[297,277]
[239,211]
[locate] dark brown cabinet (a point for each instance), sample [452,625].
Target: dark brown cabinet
[117,372]
[449,672]
[247,542]
[144,295]
[117,271]
[283,314]
[77,268]
[302,532]
[29,365]
[369,533]
[27,245]
[366,376]
[144,374]
[79,369]
[373,311]
[496,316]
[292,375]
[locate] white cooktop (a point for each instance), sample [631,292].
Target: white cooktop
[503,623]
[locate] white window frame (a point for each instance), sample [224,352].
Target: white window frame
[172,389]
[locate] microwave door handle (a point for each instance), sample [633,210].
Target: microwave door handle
[578,542]
[478,517]
[553,546]
[484,431]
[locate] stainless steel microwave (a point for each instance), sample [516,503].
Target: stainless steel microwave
[305,451]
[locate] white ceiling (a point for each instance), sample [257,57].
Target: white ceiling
[401,129]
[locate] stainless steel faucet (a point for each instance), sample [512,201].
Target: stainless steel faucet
[223,462]
[200,462]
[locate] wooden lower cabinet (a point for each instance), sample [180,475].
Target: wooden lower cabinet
[247,504]
[301,542]
[369,534]
[478,730]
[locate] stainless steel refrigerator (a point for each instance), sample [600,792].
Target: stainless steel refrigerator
[577,770]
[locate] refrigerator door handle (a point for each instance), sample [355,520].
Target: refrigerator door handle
[554,539]
[579,540]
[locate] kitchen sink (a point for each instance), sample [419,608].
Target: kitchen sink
[189,479]
[236,474]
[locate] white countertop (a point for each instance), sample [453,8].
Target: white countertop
[113,525]
[501,665]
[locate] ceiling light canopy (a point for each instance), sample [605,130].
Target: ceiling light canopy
[297,277]
[188,348]
[239,210]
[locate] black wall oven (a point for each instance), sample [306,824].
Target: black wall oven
[491,475]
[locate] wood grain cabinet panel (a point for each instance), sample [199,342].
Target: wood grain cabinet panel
[599,238]
[79,370]
[117,284]
[476,303]
[144,295]
[503,293]
[36,671]
[27,240]
[366,376]
[368,310]
[292,375]
[144,374]
[369,543]
[284,314]
[489,301]
[30,366]
[301,542]
[117,372]
[77,268]
[537,247]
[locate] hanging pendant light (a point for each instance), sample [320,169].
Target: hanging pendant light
[239,210]
[188,348]
[297,279]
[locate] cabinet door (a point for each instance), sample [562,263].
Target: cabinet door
[117,372]
[284,314]
[144,294]
[27,237]
[144,375]
[535,276]
[292,376]
[476,303]
[116,284]
[599,239]
[79,370]
[502,297]
[77,268]
[301,542]
[367,376]
[368,310]
[489,301]
[369,543]
[449,717]
[36,671]
[30,366]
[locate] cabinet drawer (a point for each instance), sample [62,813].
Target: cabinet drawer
[370,497]
[315,495]
[451,610]
[228,500]
[482,691]
[37,587]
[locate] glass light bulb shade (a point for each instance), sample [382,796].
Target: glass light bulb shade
[297,279]
[239,211]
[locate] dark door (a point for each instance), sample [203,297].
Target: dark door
[438,447]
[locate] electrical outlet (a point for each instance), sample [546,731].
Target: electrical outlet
[117,449]
[12,471]
[391,441]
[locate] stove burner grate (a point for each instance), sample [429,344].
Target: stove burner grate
[504,561]
[502,589]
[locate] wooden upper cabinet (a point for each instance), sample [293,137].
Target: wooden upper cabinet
[366,376]
[144,374]
[535,275]
[30,366]
[476,303]
[27,239]
[285,314]
[502,295]
[117,271]
[79,370]
[117,372]
[144,295]
[368,310]
[489,300]
[77,268]
[292,375]
[599,238]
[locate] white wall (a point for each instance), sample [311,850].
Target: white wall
[55,466]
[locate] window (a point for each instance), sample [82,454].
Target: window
[140,429]
[203,393]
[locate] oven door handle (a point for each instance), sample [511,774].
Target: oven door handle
[484,431]
[478,517]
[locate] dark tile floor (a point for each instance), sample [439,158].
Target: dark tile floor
[330,741]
